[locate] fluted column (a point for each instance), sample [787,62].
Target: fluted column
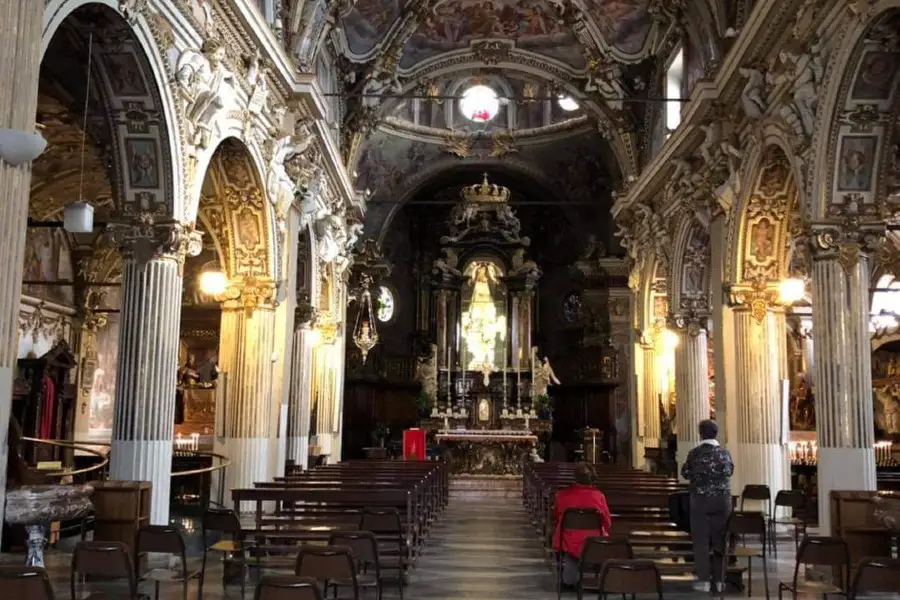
[245,354]
[20,57]
[147,363]
[843,370]
[651,390]
[300,392]
[760,364]
[691,382]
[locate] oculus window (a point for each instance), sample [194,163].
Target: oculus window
[479,103]
[385,304]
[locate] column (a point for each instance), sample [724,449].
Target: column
[147,364]
[635,404]
[652,390]
[251,412]
[20,58]
[691,382]
[843,376]
[300,394]
[760,364]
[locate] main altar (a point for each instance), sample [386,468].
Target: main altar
[484,381]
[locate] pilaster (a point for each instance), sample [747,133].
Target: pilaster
[691,380]
[651,391]
[300,387]
[20,58]
[144,411]
[245,356]
[843,369]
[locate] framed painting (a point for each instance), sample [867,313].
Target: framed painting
[856,164]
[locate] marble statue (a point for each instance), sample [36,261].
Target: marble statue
[808,72]
[605,78]
[719,144]
[523,266]
[448,265]
[426,373]
[206,85]
[542,375]
[751,96]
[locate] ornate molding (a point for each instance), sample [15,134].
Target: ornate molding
[689,322]
[250,294]
[846,240]
[145,239]
[759,298]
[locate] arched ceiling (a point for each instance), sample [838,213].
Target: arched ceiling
[621,27]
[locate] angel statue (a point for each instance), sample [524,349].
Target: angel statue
[426,372]
[542,375]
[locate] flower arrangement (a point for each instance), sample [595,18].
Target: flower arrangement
[381,434]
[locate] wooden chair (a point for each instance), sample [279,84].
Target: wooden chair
[287,588]
[574,519]
[822,552]
[234,551]
[109,560]
[595,552]
[165,540]
[758,493]
[386,523]
[743,524]
[795,500]
[876,575]
[364,549]
[630,577]
[331,565]
[25,583]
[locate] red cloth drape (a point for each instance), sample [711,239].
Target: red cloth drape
[45,431]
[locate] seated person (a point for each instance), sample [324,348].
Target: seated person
[581,494]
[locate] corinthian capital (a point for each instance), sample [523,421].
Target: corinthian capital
[757,297]
[250,294]
[846,240]
[689,322]
[146,239]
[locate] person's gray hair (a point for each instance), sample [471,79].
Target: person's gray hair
[708,429]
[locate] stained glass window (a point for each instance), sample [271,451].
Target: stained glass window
[385,309]
[479,103]
[572,307]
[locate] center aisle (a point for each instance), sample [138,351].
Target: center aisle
[482,549]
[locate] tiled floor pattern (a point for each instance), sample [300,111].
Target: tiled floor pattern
[481,549]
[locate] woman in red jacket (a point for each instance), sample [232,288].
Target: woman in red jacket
[581,494]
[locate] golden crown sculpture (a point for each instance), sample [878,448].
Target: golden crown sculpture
[485,193]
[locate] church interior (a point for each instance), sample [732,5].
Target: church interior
[298,287]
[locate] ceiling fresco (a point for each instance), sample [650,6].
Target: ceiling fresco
[454,24]
[624,24]
[368,22]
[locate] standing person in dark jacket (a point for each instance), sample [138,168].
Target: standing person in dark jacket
[708,467]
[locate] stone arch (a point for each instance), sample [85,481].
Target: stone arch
[689,284]
[233,209]
[856,118]
[653,270]
[130,76]
[762,220]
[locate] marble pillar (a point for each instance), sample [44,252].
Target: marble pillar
[251,410]
[651,390]
[147,363]
[760,364]
[635,404]
[843,378]
[691,385]
[300,396]
[20,58]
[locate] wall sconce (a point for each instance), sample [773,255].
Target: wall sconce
[18,147]
[213,283]
[791,290]
[670,339]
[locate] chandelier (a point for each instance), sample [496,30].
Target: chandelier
[365,335]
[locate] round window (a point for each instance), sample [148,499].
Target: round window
[479,103]
[385,304]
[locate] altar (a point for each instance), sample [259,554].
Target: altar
[488,452]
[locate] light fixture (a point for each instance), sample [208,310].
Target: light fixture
[479,103]
[365,336]
[78,217]
[791,290]
[213,283]
[18,147]
[670,339]
[568,104]
[314,337]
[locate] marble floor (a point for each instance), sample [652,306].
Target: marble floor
[481,549]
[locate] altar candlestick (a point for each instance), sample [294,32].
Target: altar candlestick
[505,392]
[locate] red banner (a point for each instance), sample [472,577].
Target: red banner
[414,444]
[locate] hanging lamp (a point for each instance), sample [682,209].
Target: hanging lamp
[365,336]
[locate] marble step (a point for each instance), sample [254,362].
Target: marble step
[485,486]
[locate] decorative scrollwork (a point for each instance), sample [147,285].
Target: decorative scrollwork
[145,239]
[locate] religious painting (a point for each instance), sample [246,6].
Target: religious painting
[875,77]
[124,76]
[195,405]
[660,307]
[249,233]
[143,166]
[857,163]
[762,240]
[48,259]
[103,387]
[886,390]
[484,410]
[368,23]
[453,24]
[624,24]
[483,326]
